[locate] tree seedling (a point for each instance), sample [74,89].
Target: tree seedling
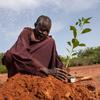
[77,29]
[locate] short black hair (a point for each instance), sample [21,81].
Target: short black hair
[43,23]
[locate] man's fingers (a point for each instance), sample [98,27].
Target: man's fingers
[60,77]
[62,74]
[63,71]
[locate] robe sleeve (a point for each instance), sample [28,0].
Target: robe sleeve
[22,42]
[20,54]
[20,45]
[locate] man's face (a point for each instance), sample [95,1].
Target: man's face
[41,30]
[44,33]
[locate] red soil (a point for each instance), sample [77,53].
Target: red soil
[92,70]
[28,87]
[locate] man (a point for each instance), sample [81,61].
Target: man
[35,52]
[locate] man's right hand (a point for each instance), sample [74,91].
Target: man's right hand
[56,72]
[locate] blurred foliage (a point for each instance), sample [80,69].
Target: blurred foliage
[2,67]
[88,56]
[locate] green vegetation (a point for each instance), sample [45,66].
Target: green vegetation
[2,67]
[88,56]
[77,30]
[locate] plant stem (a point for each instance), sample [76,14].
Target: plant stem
[69,58]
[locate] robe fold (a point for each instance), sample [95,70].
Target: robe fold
[28,54]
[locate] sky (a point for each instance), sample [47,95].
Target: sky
[17,14]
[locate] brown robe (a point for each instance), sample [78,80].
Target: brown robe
[28,54]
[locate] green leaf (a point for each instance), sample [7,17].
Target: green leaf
[89,18]
[73,28]
[86,30]
[86,20]
[80,22]
[69,43]
[75,42]
[82,44]
[76,23]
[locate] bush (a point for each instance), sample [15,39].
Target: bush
[88,56]
[2,67]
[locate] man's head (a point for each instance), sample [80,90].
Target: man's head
[43,24]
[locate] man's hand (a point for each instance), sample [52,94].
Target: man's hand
[56,72]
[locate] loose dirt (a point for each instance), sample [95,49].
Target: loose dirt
[28,87]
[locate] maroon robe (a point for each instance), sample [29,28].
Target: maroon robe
[28,54]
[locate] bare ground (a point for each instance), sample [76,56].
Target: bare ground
[26,87]
[92,70]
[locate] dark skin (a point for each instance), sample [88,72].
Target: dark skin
[39,32]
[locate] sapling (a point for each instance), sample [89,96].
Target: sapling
[77,29]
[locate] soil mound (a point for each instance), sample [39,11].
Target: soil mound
[28,87]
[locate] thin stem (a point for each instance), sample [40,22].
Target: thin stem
[69,58]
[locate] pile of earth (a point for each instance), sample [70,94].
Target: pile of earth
[28,87]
